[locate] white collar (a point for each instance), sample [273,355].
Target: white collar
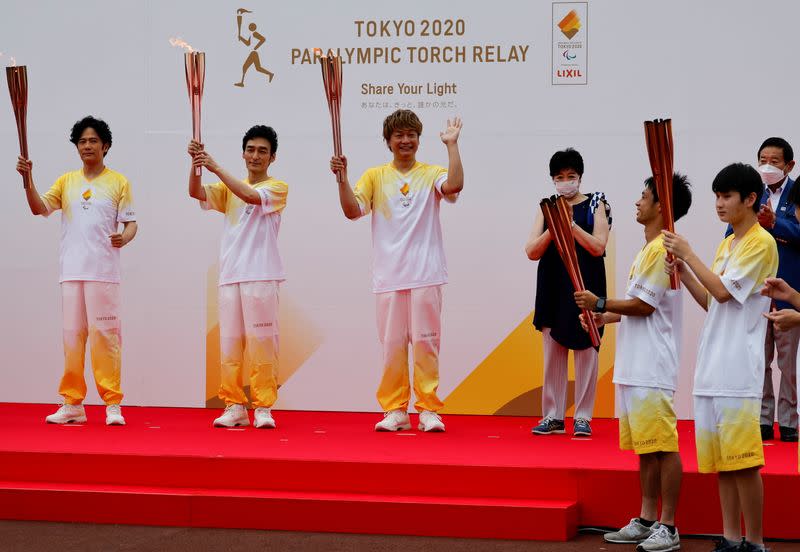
[780,188]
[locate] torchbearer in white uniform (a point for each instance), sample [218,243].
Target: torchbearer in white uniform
[409,267]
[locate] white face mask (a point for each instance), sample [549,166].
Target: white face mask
[568,188]
[770,174]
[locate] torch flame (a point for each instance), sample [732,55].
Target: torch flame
[9,56]
[178,41]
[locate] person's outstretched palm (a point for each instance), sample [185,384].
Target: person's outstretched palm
[450,134]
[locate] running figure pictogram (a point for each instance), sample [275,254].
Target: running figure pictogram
[253,59]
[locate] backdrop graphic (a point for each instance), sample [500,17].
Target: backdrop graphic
[501,66]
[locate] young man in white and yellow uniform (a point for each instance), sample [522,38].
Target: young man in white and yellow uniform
[94,201]
[250,271]
[729,375]
[409,265]
[646,372]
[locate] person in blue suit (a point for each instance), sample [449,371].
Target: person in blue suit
[777,216]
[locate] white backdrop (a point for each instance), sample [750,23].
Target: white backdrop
[722,71]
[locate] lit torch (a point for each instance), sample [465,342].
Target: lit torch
[195,65]
[332,81]
[17,77]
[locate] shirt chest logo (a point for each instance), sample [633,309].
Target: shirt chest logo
[249,209]
[86,199]
[407,196]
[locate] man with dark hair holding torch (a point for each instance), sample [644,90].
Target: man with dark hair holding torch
[249,275]
[93,200]
[646,371]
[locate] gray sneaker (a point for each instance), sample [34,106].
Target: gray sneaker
[660,540]
[633,533]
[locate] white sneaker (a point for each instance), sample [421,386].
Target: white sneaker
[234,415]
[67,414]
[661,540]
[114,415]
[263,418]
[633,533]
[430,421]
[394,420]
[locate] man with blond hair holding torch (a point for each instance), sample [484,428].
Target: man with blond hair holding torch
[409,265]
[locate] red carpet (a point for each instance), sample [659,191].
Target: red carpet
[323,471]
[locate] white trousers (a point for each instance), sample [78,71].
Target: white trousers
[248,328]
[410,316]
[554,387]
[91,310]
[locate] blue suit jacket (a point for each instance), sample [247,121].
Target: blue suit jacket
[787,235]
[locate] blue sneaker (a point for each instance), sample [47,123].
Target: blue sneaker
[581,428]
[548,425]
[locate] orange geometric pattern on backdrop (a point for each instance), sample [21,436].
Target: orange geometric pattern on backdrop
[570,25]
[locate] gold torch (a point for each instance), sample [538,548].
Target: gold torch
[559,222]
[17,77]
[195,63]
[658,139]
[332,81]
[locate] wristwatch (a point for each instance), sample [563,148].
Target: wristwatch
[600,306]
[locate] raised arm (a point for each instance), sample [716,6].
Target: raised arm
[696,289]
[455,171]
[243,191]
[35,201]
[196,189]
[679,246]
[347,199]
[242,39]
